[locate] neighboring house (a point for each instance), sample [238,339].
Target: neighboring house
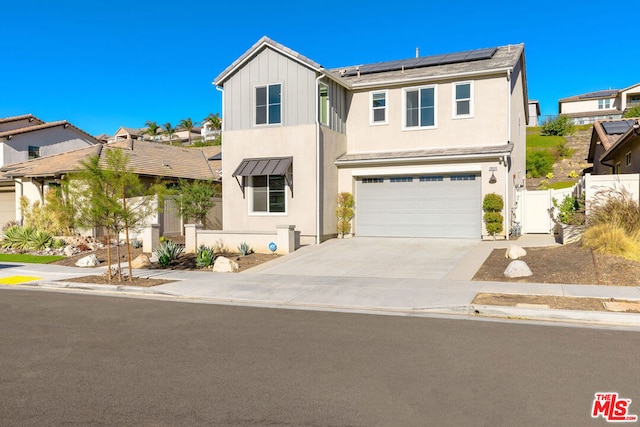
[180,136]
[534,113]
[615,147]
[209,133]
[149,160]
[418,142]
[599,105]
[27,137]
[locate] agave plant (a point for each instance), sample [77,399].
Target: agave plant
[40,239]
[205,256]
[245,249]
[167,252]
[17,237]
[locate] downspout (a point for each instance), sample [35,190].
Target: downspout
[317,97]
[507,207]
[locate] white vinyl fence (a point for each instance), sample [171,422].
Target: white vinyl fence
[539,214]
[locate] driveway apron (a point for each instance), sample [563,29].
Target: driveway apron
[382,257]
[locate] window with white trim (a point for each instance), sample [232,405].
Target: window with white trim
[627,159]
[420,107]
[268,194]
[323,108]
[378,107]
[269,104]
[462,99]
[604,104]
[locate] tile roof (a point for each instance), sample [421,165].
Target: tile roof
[599,94]
[505,57]
[599,135]
[145,158]
[22,117]
[47,126]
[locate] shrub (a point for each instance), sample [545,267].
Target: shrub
[632,112]
[612,240]
[136,243]
[344,213]
[167,252]
[18,237]
[539,163]
[573,174]
[245,249]
[563,151]
[492,205]
[205,256]
[560,126]
[549,175]
[571,210]
[616,208]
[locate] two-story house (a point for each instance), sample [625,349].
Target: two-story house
[27,137]
[599,105]
[419,142]
[615,147]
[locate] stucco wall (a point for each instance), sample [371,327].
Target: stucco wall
[333,145]
[488,120]
[51,141]
[295,141]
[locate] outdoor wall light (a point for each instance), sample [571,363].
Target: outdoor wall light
[493,178]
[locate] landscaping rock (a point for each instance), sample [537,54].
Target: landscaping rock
[70,250]
[518,268]
[225,265]
[515,252]
[88,261]
[141,261]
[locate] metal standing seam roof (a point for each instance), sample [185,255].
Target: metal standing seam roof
[263,166]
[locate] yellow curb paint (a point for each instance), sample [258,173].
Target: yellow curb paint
[16,280]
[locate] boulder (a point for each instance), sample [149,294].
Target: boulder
[517,268]
[70,250]
[88,261]
[225,265]
[141,261]
[515,252]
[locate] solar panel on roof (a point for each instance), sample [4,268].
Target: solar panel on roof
[616,128]
[425,61]
[599,94]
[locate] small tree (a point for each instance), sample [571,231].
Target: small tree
[195,199]
[492,206]
[560,126]
[344,213]
[169,131]
[632,112]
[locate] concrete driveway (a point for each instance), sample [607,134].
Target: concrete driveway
[382,257]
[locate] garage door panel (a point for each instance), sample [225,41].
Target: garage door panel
[428,208]
[7,207]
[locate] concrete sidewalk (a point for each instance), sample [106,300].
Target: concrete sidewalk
[451,295]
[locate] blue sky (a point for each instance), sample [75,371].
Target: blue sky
[102,65]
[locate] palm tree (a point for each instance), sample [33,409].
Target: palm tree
[214,121]
[187,124]
[152,129]
[169,130]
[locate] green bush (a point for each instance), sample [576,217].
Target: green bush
[167,252]
[18,237]
[570,210]
[539,163]
[632,112]
[560,126]
[492,205]
[205,256]
[344,213]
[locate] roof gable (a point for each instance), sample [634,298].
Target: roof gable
[264,43]
[41,127]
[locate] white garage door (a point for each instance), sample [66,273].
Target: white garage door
[419,206]
[7,207]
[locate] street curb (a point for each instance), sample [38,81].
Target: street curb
[589,317]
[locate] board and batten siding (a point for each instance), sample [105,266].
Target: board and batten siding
[337,106]
[270,67]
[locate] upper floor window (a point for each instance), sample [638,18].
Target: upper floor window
[420,107]
[462,103]
[627,159]
[618,168]
[634,99]
[34,152]
[269,104]
[323,109]
[268,194]
[604,104]
[379,107]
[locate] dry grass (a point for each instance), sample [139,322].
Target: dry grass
[613,240]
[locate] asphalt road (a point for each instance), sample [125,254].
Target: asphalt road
[69,359]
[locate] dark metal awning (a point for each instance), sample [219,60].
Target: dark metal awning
[263,166]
